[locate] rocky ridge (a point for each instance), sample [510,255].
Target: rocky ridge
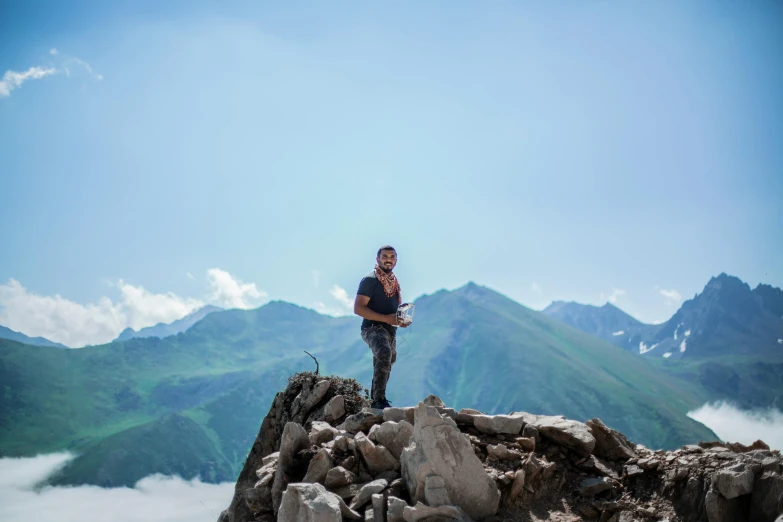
[322,455]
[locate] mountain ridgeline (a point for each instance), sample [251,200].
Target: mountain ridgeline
[728,339]
[206,388]
[164,330]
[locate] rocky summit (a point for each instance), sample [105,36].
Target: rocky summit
[323,455]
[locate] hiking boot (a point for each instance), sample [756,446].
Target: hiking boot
[381,404]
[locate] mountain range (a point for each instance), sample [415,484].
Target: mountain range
[191,403]
[162,330]
[7,333]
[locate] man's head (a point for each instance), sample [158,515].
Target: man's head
[386,258]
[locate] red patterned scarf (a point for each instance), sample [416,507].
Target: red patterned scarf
[389,281]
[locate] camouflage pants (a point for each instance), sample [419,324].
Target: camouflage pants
[384,354]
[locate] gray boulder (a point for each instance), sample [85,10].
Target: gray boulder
[377,458]
[734,481]
[493,424]
[394,436]
[319,467]
[571,434]
[362,421]
[335,408]
[438,448]
[367,491]
[309,502]
[610,444]
[293,440]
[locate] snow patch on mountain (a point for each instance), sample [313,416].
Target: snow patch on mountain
[667,355]
[682,345]
[621,332]
[643,347]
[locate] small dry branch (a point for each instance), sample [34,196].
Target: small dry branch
[316,361]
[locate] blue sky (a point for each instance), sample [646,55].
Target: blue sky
[584,151]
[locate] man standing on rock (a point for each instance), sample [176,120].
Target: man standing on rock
[377,301]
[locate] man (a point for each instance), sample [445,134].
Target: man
[376,301]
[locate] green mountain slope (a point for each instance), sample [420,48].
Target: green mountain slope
[212,385]
[12,335]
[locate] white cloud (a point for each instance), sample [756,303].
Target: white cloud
[672,296]
[341,296]
[230,292]
[612,298]
[70,61]
[13,79]
[155,498]
[535,287]
[343,307]
[73,324]
[732,424]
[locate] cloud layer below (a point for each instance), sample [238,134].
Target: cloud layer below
[73,324]
[734,425]
[155,498]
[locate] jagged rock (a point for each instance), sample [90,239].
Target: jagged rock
[377,458]
[349,491]
[373,431]
[398,414]
[367,491]
[610,444]
[598,466]
[590,487]
[770,464]
[319,467]
[633,470]
[531,432]
[526,443]
[394,436]
[465,416]
[518,484]
[350,464]
[362,421]
[767,499]
[338,477]
[501,452]
[734,482]
[335,408]
[571,434]
[494,424]
[424,512]
[440,449]
[309,502]
[321,432]
[308,398]
[649,464]
[720,509]
[271,458]
[394,509]
[378,508]
[342,442]
[294,439]
[434,401]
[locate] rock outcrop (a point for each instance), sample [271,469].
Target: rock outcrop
[323,455]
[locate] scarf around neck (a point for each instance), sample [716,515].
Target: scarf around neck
[389,282]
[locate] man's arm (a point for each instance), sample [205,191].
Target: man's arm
[361,309]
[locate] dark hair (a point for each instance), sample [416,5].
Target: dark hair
[384,247]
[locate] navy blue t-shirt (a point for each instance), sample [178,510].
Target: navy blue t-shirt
[371,287]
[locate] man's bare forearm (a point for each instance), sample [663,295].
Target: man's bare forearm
[365,312]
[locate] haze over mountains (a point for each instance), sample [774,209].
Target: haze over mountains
[190,403]
[164,330]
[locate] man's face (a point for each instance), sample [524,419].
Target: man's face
[387,260]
